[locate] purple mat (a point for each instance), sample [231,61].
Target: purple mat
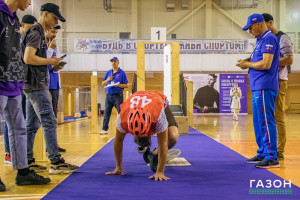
[217,172]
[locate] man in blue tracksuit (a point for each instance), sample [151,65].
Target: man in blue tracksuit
[263,73]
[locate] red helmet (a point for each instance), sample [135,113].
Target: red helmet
[139,121]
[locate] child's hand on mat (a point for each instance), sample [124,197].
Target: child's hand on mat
[117,171]
[159,177]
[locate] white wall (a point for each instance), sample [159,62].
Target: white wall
[293,15]
[154,62]
[86,17]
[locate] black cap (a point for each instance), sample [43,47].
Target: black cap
[29,19]
[267,17]
[53,8]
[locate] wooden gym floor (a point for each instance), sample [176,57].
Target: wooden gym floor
[80,145]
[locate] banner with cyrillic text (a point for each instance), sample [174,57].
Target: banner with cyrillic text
[186,46]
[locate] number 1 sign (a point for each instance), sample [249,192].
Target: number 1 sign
[158,34]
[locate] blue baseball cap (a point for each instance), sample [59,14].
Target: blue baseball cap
[57,27]
[114,58]
[253,19]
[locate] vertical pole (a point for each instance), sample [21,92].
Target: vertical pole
[126,94]
[94,101]
[175,74]
[140,66]
[70,104]
[77,109]
[39,148]
[190,114]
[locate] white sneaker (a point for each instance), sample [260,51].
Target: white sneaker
[103,132]
[173,153]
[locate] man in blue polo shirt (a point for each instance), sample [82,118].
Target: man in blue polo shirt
[263,73]
[114,96]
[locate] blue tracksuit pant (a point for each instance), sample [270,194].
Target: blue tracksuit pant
[263,103]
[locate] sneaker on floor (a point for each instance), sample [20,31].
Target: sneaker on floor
[31,179]
[36,167]
[61,150]
[265,164]
[173,153]
[2,186]
[143,143]
[103,132]
[255,159]
[153,161]
[7,159]
[145,156]
[62,168]
[142,150]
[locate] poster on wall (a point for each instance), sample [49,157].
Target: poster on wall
[206,92]
[213,93]
[233,87]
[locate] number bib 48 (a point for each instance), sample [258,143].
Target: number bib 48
[153,101]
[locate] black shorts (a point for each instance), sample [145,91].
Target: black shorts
[170,117]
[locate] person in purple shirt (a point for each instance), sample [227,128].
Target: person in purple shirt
[263,73]
[26,23]
[11,84]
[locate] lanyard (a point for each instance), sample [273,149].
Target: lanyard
[257,45]
[112,72]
